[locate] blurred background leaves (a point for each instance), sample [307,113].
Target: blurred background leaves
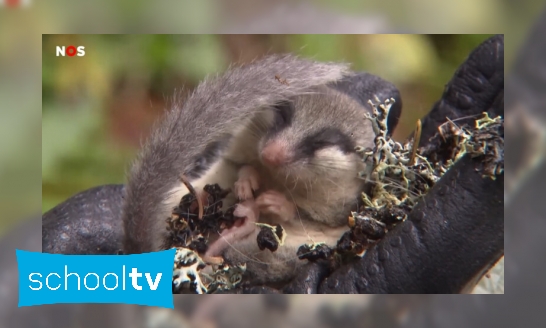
[97,109]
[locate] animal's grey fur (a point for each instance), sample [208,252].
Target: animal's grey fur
[215,110]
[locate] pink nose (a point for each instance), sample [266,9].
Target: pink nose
[274,153]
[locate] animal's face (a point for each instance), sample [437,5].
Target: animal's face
[313,138]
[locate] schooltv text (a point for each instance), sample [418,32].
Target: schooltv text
[143,279]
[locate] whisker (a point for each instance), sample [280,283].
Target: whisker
[238,251]
[256,260]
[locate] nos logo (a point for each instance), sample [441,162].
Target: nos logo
[70,51]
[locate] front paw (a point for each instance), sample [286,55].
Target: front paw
[277,205]
[246,183]
[248,210]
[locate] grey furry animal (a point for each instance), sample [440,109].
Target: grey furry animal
[277,132]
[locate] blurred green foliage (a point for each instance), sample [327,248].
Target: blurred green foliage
[97,109]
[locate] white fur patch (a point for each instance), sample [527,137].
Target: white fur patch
[334,157]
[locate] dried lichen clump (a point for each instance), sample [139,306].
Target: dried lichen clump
[314,252]
[187,265]
[485,139]
[368,227]
[488,140]
[270,237]
[225,277]
[187,229]
[398,175]
[189,226]
[395,174]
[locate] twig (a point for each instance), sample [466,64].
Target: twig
[188,185]
[416,140]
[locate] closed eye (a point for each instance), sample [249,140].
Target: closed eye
[323,143]
[326,137]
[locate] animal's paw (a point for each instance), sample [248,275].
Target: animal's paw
[246,183]
[276,204]
[247,210]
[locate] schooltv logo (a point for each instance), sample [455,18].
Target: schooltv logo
[69,51]
[143,279]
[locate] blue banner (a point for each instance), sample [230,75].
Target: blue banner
[143,279]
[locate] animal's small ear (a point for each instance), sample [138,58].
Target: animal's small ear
[284,112]
[364,87]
